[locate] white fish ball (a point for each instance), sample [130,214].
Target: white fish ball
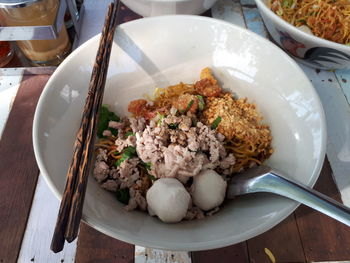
[209,190]
[168,199]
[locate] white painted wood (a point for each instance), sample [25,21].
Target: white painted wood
[8,90]
[337,112]
[39,231]
[248,2]
[230,11]
[150,255]
[343,77]
[254,21]
[93,19]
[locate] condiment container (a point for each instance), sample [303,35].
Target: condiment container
[48,52]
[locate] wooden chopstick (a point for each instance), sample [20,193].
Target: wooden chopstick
[79,194]
[91,108]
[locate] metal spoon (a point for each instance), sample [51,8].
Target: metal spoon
[265,179]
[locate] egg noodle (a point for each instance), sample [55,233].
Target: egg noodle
[166,96]
[328,19]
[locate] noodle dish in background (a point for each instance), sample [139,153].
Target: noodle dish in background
[200,112]
[315,32]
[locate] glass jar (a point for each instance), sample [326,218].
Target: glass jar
[48,52]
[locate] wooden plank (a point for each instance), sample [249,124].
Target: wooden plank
[250,3]
[93,18]
[18,182]
[8,89]
[343,77]
[338,126]
[254,21]
[93,246]
[229,11]
[323,238]
[151,255]
[235,253]
[285,233]
[38,234]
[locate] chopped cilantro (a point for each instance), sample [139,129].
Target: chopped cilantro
[127,153]
[113,131]
[215,123]
[130,151]
[104,118]
[173,126]
[151,177]
[129,133]
[123,195]
[117,163]
[147,165]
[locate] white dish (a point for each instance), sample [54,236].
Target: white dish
[160,51]
[308,49]
[168,7]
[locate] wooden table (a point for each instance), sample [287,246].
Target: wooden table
[28,209]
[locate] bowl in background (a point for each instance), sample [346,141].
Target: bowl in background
[169,7]
[308,49]
[241,61]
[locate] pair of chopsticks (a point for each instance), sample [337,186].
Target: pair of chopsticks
[71,208]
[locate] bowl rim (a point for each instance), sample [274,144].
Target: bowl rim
[261,5]
[211,244]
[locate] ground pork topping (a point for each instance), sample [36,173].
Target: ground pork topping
[185,151]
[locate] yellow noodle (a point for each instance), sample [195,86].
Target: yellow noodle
[328,19]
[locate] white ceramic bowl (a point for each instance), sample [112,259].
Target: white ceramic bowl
[169,7]
[306,48]
[160,51]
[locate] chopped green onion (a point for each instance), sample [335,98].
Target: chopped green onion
[287,3]
[160,118]
[123,195]
[189,105]
[279,12]
[215,123]
[201,103]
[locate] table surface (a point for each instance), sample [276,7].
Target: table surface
[28,209]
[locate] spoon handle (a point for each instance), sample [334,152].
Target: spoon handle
[273,182]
